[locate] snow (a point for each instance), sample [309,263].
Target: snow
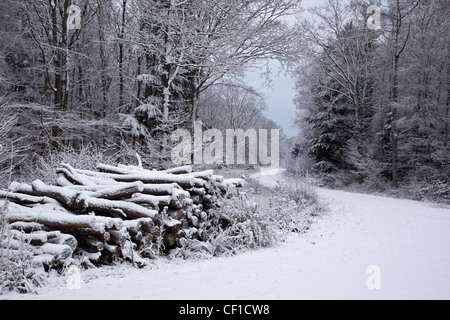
[36,236]
[270,178]
[107,192]
[237,182]
[62,251]
[153,200]
[171,223]
[47,214]
[407,241]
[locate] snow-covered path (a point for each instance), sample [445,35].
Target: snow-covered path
[408,241]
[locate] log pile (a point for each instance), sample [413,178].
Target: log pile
[116,212]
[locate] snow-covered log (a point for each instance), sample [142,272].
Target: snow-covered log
[113,213]
[73,176]
[155,201]
[90,244]
[119,192]
[64,239]
[57,220]
[25,198]
[85,201]
[34,238]
[179,170]
[22,188]
[26,227]
[60,252]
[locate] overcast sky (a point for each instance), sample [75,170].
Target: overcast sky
[281,93]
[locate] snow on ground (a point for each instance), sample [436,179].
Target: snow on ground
[407,241]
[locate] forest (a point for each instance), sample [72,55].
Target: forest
[128,130]
[95,90]
[373,103]
[129,74]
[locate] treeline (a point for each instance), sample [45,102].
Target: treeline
[127,73]
[373,103]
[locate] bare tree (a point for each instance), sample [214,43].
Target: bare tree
[231,106]
[398,38]
[190,45]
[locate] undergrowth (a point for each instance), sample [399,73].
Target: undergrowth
[17,274]
[260,217]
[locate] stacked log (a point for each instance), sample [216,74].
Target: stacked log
[116,212]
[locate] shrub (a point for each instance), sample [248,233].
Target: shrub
[87,158]
[259,218]
[8,153]
[16,271]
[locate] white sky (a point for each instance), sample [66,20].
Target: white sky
[280,95]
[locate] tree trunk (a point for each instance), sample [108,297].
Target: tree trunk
[447,115]
[121,54]
[104,69]
[394,135]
